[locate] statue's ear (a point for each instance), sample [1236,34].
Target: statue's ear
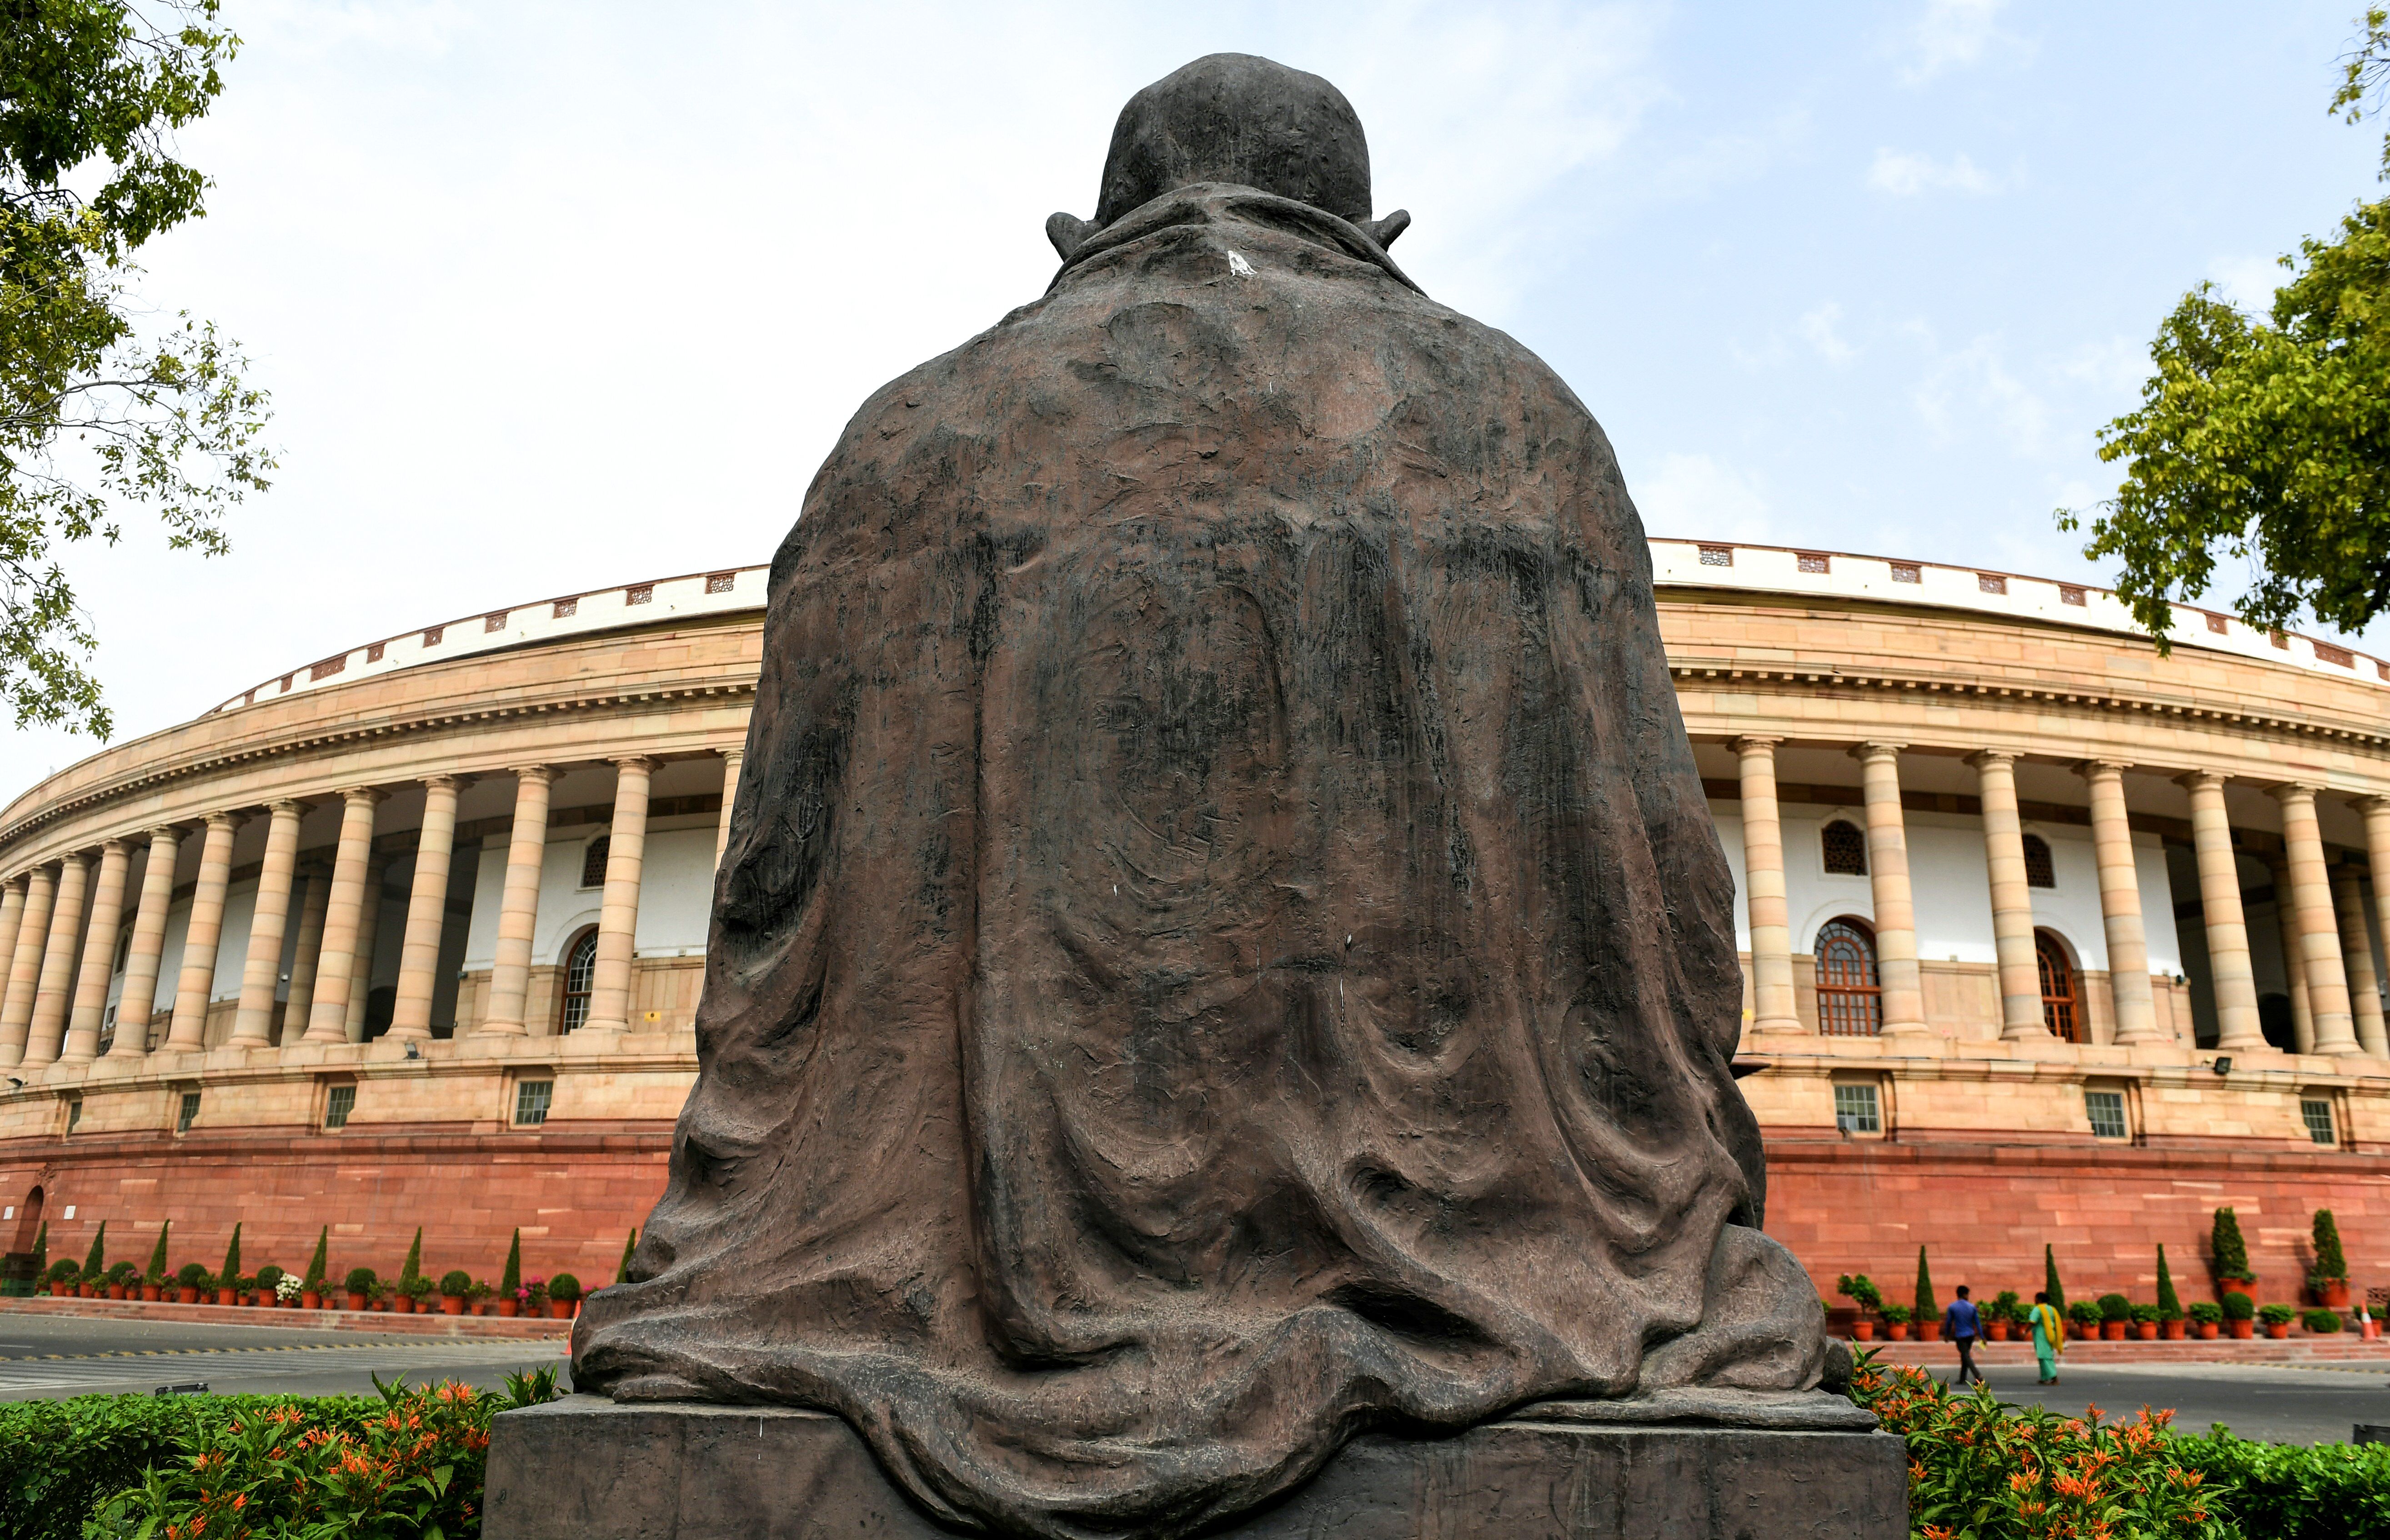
[1383,231]
[1068,232]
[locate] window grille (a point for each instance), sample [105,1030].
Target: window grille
[644,593]
[2107,1110]
[285,683]
[565,609]
[2069,594]
[580,972]
[374,652]
[327,668]
[2327,653]
[495,622]
[2317,1114]
[1857,1109]
[2040,871]
[189,1114]
[2279,640]
[2061,1003]
[2217,624]
[721,583]
[432,635]
[1850,999]
[531,1097]
[341,1101]
[1718,556]
[1991,584]
[592,861]
[1845,848]
[1813,561]
[1907,571]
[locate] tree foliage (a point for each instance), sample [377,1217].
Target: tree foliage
[2266,440]
[104,405]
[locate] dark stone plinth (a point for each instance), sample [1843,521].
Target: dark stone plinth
[585,1468]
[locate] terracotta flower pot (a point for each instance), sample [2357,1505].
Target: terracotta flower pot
[2208,1330]
[2333,1295]
[1897,1331]
[1862,1331]
[149,1292]
[560,1310]
[2146,1330]
[1996,1330]
[2172,1330]
[508,1307]
[2112,1331]
[2243,1330]
[116,1290]
[310,1301]
[356,1301]
[2278,1331]
[186,1294]
[452,1304]
[1928,1331]
[2238,1286]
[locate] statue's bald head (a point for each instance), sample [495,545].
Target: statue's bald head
[1236,118]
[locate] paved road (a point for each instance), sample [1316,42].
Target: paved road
[40,1358]
[2277,1402]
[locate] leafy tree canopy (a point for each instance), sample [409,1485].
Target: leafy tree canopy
[2267,439]
[103,406]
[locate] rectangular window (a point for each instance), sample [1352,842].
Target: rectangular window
[530,1103]
[2317,1114]
[74,1115]
[1906,572]
[339,1105]
[2107,1110]
[189,1114]
[1857,1109]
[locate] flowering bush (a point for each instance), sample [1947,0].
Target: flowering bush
[1980,1470]
[286,1470]
[288,1288]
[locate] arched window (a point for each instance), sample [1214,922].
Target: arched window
[2061,1000]
[593,862]
[580,971]
[1846,848]
[1850,999]
[2039,871]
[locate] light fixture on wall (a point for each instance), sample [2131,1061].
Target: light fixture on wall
[2222,1065]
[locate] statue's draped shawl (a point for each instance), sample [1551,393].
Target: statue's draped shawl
[1222,944]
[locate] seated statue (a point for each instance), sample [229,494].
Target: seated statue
[1222,945]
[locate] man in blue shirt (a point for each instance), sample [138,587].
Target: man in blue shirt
[1959,1324]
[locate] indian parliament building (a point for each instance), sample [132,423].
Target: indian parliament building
[2047,938]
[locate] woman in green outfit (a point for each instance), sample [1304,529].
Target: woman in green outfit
[2048,1338]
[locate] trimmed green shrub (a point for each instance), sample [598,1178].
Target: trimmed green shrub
[2291,1492]
[1898,1314]
[1927,1309]
[63,1272]
[2005,1306]
[2049,1284]
[2206,1312]
[412,1268]
[232,1258]
[623,1269]
[418,1287]
[565,1286]
[192,1275]
[2230,1253]
[2239,1307]
[456,1283]
[94,1265]
[2116,1307]
[155,1273]
[316,1265]
[2277,1314]
[511,1279]
[2083,1312]
[2322,1322]
[2169,1302]
[267,1277]
[360,1280]
[2145,1315]
[2330,1262]
[122,1275]
[1859,1289]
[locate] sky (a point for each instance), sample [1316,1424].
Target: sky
[550,297]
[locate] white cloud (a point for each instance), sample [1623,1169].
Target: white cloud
[1905,175]
[1950,33]
[1816,329]
[2116,366]
[1693,495]
[2249,282]
[1972,390]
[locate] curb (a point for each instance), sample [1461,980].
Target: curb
[374,1322]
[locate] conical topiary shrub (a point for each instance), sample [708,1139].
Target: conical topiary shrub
[630,1244]
[2229,1251]
[512,1279]
[1928,1313]
[95,1262]
[2330,1262]
[412,1268]
[2049,1284]
[155,1273]
[313,1282]
[232,1261]
[2169,1302]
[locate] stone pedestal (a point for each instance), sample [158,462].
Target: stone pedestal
[585,1468]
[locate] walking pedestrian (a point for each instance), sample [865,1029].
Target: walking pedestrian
[1960,1324]
[2048,1338]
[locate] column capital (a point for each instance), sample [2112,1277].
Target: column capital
[635,762]
[1741,745]
[2200,780]
[450,781]
[1866,752]
[371,795]
[292,803]
[2091,768]
[2370,805]
[543,773]
[1983,757]
[226,820]
[2293,791]
[118,846]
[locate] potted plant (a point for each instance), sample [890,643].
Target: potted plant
[564,1297]
[2323,1323]
[2328,1278]
[2231,1255]
[189,1279]
[311,1288]
[1860,1290]
[533,1297]
[358,1286]
[2006,1311]
[153,1278]
[2086,1318]
[455,1288]
[1895,1321]
[228,1281]
[288,1290]
[2145,1322]
[2278,1319]
[478,1297]
[408,1271]
[418,1290]
[2208,1317]
[2240,1313]
[510,1283]
[1928,1311]
[2169,1302]
[61,1278]
[2115,1315]
[122,1278]
[269,1283]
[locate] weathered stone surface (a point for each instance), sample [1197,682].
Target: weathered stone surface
[585,1468]
[1222,942]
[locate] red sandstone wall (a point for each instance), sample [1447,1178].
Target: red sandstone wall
[1983,1212]
[574,1193]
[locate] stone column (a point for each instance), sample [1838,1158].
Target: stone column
[518,904]
[301,1001]
[1763,874]
[361,966]
[12,920]
[98,956]
[25,964]
[427,910]
[1896,916]
[2235,980]
[618,918]
[2020,1016]
[56,988]
[2356,953]
[189,1033]
[327,1013]
[2327,980]
[734,758]
[2120,906]
[2294,962]
[138,1002]
[260,972]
